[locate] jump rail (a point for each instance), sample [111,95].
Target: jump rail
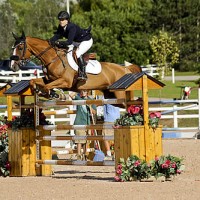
[75,162]
[88,137]
[77,127]
[86,102]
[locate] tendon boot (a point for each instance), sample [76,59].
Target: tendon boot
[81,72]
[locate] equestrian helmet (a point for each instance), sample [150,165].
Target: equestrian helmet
[63,15]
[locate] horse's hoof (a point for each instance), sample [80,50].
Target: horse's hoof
[37,91]
[62,97]
[53,95]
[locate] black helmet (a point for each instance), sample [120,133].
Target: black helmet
[63,15]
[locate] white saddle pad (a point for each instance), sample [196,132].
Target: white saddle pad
[92,67]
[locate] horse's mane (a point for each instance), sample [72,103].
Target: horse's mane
[36,38]
[134,68]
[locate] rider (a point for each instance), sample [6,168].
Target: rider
[73,33]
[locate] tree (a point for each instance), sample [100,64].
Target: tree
[7,21]
[118,28]
[165,52]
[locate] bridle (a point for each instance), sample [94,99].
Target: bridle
[23,60]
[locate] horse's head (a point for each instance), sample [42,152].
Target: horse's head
[20,54]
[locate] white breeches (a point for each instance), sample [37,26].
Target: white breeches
[84,47]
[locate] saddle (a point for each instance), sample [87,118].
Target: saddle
[86,56]
[93,66]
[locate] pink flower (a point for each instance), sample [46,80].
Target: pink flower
[155,115]
[117,178]
[178,171]
[173,165]
[164,166]
[116,126]
[119,171]
[8,165]
[119,166]
[137,163]
[167,162]
[134,109]
[156,158]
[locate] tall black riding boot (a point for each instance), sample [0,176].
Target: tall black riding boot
[81,74]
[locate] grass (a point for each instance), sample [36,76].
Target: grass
[172,91]
[194,73]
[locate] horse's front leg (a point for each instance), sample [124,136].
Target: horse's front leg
[34,83]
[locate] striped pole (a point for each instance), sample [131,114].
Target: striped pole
[80,102]
[59,112]
[76,162]
[87,137]
[77,127]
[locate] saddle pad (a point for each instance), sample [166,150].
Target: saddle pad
[92,67]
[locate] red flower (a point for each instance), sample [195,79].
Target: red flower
[117,178]
[167,162]
[134,109]
[8,165]
[119,166]
[155,115]
[173,165]
[164,166]
[14,118]
[137,163]
[119,171]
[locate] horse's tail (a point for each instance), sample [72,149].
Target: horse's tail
[134,68]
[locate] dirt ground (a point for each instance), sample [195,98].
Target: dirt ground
[77,182]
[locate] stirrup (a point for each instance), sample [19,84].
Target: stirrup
[82,76]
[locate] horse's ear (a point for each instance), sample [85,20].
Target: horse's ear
[23,35]
[15,36]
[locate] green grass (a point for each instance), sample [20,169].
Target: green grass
[186,73]
[172,91]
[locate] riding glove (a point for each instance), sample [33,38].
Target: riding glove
[61,44]
[52,42]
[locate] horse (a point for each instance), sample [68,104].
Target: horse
[60,74]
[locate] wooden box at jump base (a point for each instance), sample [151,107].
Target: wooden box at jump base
[142,141]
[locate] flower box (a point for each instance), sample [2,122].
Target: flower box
[22,151]
[146,143]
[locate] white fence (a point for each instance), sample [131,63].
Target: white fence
[10,76]
[151,70]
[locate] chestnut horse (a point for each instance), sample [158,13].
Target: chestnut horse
[59,73]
